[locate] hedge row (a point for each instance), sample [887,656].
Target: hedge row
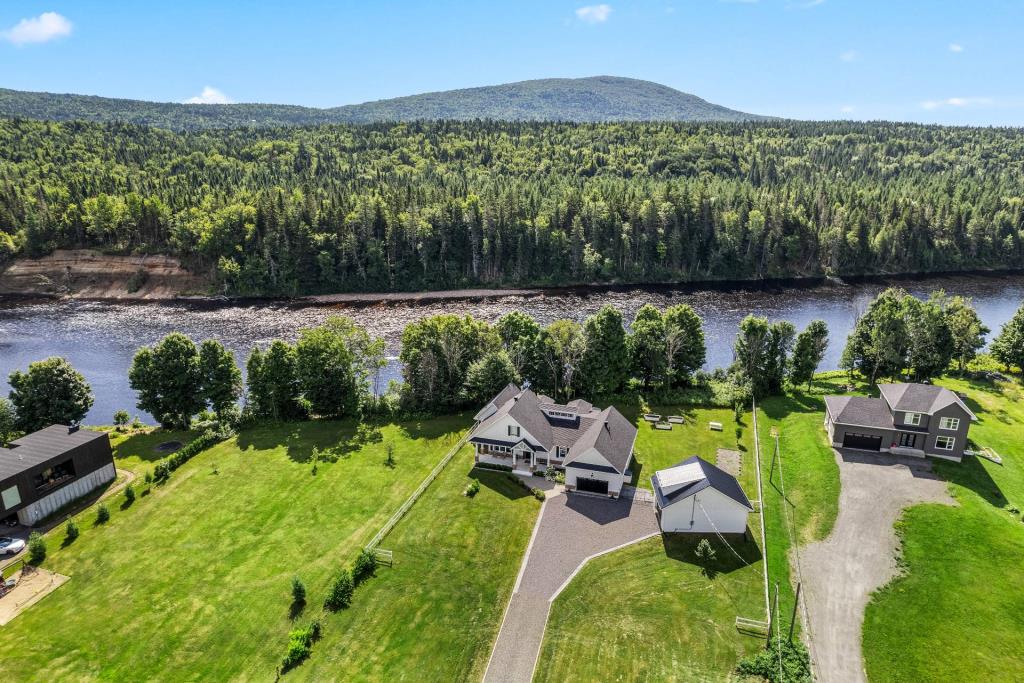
[181,456]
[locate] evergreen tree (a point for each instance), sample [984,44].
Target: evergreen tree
[1008,347]
[808,353]
[604,367]
[168,380]
[50,392]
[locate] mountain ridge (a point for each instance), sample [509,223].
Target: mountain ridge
[584,100]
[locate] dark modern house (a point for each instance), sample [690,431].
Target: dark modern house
[45,470]
[906,419]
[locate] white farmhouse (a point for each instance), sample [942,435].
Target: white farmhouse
[694,496]
[528,432]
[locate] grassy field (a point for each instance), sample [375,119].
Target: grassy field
[201,567]
[137,451]
[435,614]
[957,613]
[652,611]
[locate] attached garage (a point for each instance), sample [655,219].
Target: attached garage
[592,485]
[862,442]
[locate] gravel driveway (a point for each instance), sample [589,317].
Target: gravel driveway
[858,557]
[571,528]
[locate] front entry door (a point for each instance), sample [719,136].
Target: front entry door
[907,440]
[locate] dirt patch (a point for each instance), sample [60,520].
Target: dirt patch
[30,589]
[89,274]
[729,461]
[859,556]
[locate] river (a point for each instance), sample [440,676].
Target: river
[99,338]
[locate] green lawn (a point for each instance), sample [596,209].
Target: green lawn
[435,614]
[192,581]
[957,613]
[650,612]
[137,450]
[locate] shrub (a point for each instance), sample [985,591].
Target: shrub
[36,548]
[492,466]
[102,514]
[472,488]
[390,460]
[538,494]
[129,494]
[339,595]
[149,477]
[300,642]
[298,591]
[161,472]
[70,531]
[705,552]
[121,419]
[764,664]
[207,439]
[364,566]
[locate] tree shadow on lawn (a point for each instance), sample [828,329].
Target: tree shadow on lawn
[300,438]
[499,482]
[683,548]
[145,446]
[777,408]
[972,475]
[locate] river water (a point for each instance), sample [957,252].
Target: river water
[100,338]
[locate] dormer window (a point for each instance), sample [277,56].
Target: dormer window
[913,419]
[561,451]
[513,430]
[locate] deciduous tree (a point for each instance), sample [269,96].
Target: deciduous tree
[168,380]
[50,392]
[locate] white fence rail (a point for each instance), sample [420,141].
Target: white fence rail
[395,518]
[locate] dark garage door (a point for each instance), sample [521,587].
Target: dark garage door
[592,485]
[864,442]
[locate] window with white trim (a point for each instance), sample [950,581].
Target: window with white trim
[950,423]
[912,419]
[513,430]
[562,450]
[944,443]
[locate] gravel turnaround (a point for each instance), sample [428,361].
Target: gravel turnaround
[571,528]
[859,556]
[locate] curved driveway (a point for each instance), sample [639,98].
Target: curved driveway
[571,529]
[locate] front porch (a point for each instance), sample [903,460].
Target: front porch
[523,459]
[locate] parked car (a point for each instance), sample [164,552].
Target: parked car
[11,546]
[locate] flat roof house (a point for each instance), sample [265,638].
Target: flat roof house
[45,470]
[694,496]
[906,419]
[531,432]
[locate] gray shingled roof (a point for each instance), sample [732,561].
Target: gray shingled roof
[714,477]
[859,410]
[920,398]
[39,447]
[611,435]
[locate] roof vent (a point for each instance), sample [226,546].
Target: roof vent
[72,429]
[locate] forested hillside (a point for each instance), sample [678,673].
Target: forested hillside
[446,205]
[601,98]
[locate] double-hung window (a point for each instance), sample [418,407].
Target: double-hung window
[562,450]
[913,419]
[950,424]
[944,443]
[513,430]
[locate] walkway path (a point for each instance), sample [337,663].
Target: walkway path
[858,557]
[571,529]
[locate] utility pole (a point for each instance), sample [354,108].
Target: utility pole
[792,619]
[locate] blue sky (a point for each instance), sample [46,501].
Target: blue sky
[941,61]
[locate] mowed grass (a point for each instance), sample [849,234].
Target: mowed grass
[652,611]
[192,581]
[957,611]
[137,451]
[434,615]
[806,469]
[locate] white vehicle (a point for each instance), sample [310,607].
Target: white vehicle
[11,546]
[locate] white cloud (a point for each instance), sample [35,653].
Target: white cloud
[594,14]
[956,47]
[45,27]
[847,109]
[849,56]
[209,96]
[958,102]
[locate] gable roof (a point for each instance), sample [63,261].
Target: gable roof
[860,411]
[503,396]
[607,431]
[693,475]
[921,398]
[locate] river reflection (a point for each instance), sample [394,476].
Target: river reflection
[100,338]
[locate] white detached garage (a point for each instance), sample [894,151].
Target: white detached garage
[694,496]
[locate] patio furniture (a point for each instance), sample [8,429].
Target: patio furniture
[715,426]
[662,425]
[652,418]
[676,419]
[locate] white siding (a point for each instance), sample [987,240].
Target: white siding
[686,516]
[30,514]
[614,479]
[499,431]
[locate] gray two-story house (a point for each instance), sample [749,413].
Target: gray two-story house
[906,419]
